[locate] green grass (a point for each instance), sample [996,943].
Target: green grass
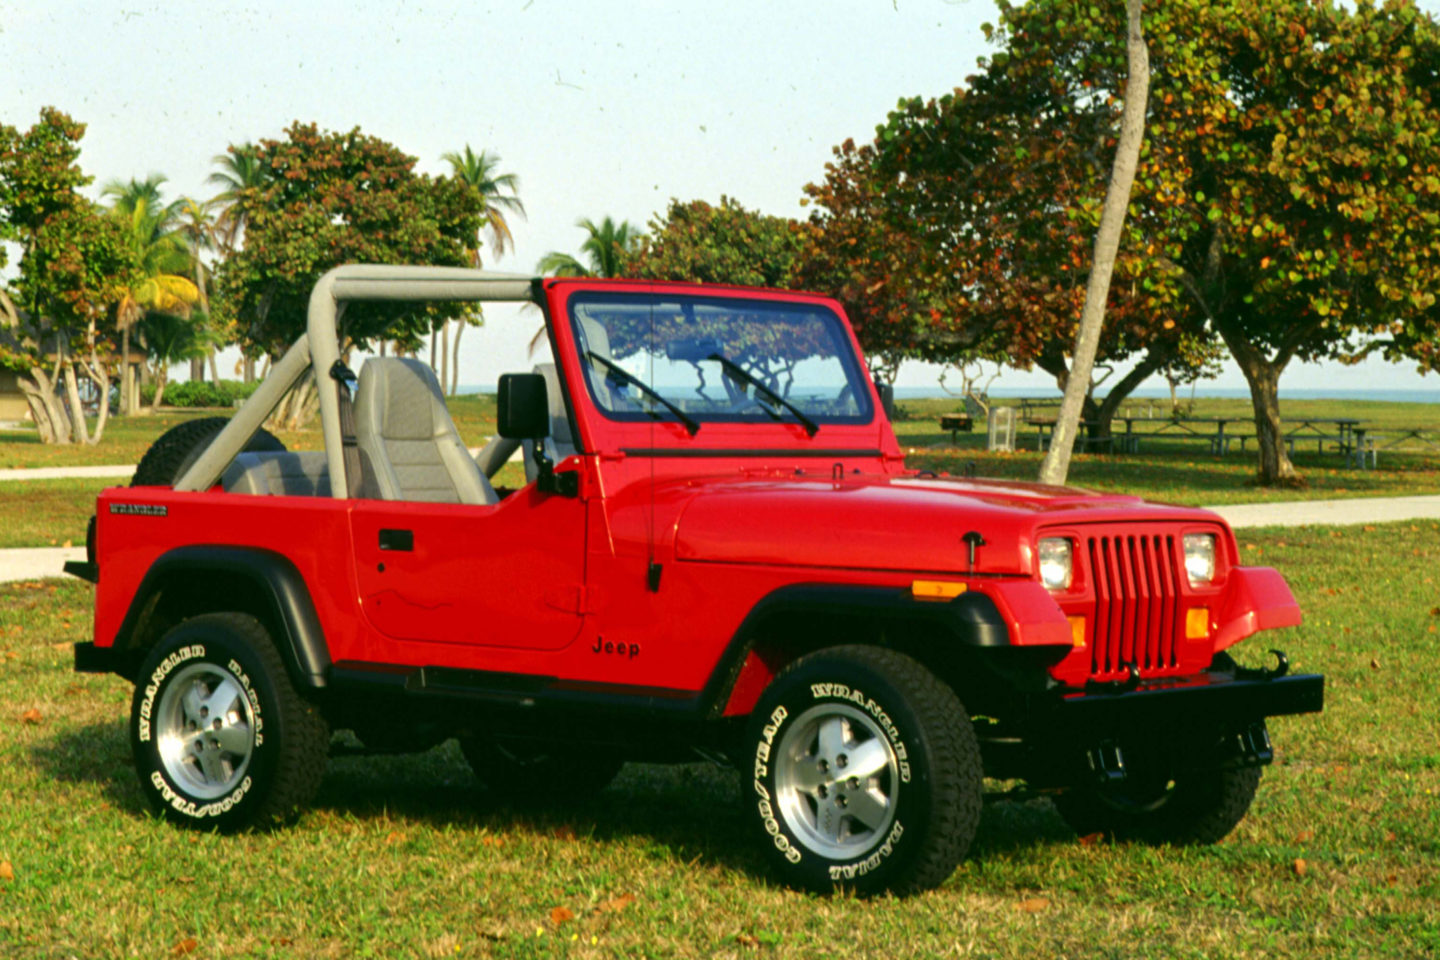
[47,513]
[407,857]
[1183,471]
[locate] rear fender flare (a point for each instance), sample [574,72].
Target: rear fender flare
[182,578]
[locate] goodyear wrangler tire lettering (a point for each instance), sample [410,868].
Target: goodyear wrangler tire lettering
[220,736]
[866,772]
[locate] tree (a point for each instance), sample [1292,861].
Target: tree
[1286,197]
[723,243]
[478,172]
[240,170]
[170,339]
[1056,465]
[325,198]
[604,249]
[151,229]
[198,226]
[75,266]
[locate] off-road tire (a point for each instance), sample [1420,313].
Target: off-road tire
[175,450]
[220,737]
[1196,808]
[906,825]
[540,773]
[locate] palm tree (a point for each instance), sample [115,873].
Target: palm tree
[478,170]
[240,171]
[170,339]
[150,226]
[196,223]
[604,249]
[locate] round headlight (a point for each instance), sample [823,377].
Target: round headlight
[1200,558]
[1056,565]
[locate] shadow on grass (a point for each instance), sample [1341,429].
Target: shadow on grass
[688,812]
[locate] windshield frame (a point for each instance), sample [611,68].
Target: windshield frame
[852,365]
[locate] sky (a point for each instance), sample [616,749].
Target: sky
[601,108]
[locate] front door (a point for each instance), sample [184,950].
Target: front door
[510,575]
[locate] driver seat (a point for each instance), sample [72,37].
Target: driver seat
[404,428]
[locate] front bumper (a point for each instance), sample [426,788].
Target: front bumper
[1212,719]
[92,659]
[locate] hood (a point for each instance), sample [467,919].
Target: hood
[891,523]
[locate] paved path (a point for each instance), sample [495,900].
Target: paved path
[69,473]
[36,562]
[1296,513]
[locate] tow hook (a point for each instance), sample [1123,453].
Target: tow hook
[1282,665]
[1107,763]
[1251,747]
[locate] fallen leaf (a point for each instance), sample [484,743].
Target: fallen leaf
[1435,611]
[490,840]
[67,544]
[62,647]
[617,904]
[561,915]
[745,940]
[1299,866]
[1374,664]
[564,832]
[1033,904]
[31,716]
[7,872]
[1389,836]
[394,837]
[1305,836]
[1090,839]
[188,945]
[1369,528]
[281,942]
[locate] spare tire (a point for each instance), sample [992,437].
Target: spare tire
[179,447]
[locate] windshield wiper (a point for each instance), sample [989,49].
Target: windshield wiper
[740,373]
[692,426]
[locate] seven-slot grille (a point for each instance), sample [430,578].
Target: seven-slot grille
[1137,604]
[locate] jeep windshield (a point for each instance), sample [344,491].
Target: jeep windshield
[718,359]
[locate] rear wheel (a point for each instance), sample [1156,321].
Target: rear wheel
[177,449]
[865,773]
[219,734]
[1197,807]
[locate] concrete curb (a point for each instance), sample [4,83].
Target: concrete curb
[33,563]
[1297,513]
[69,473]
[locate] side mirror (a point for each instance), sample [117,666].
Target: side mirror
[524,408]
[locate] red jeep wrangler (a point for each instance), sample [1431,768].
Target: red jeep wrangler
[718,552]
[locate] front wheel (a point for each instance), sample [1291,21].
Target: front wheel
[864,773]
[219,734]
[1196,808]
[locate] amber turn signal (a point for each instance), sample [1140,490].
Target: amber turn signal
[1077,631]
[1197,623]
[936,589]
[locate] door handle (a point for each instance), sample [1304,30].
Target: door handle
[397,540]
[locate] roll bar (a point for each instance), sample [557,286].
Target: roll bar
[319,348]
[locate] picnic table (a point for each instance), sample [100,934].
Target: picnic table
[1344,432]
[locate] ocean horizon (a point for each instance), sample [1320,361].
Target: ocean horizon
[1153,393]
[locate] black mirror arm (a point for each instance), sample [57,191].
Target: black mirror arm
[546,479]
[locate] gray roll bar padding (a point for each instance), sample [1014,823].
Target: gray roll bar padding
[319,349]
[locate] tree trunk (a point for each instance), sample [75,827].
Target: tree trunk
[125,371]
[214,369]
[45,408]
[445,358]
[162,376]
[197,369]
[1107,244]
[432,350]
[1105,412]
[79,433]
[1274,467]
[249,370]
[455,359]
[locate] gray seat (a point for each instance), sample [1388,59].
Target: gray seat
[404,429]
[278,474]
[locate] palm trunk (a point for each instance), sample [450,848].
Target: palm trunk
[455,359]
[444,357]
[79,433]
[125,371]
[214,369]
[1107,245]
[162,376]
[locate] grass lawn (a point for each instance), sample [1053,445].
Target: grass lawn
[406,857]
